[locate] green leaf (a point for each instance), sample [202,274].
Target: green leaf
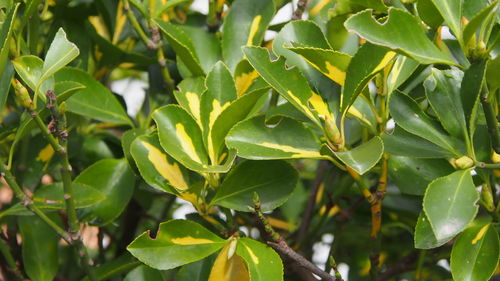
[116,266]
[60,53]
[181,137]
[305,33]
[362,158]
[451,11]
[156,168]
[254,140]
[126,141]
[424,235]
[366,63]
[244,25]
[412,175]
[196,271]
[274,181]
[5,35]
[144,273]
[115,180]
[442,89]
[95,101]
[492,72]
[182,45]
[428,13]
[177,242]
[401,32]
[331,63]
[189,95]
[30,69]
[262,261]
[221,91]
[5,78]
[238,110]
[287,82]
[411,118]
[450,203]
[39,248]
[402,143]
[402,69]
[478,20]
[206,46]
[470,91]
[51,197]
[475,254]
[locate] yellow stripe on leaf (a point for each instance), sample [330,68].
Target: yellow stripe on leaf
[231,269]
[318,7]
[304,107]
[171,172]
[216,111]
[244,81]
[188,240]
[297,152]
[254,258]
[387,58]
[186,142]
[194,105]
[45,154]
[480,234]
[253,29]
[334,73]
[319,105]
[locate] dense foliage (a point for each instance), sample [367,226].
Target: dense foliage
[359,135]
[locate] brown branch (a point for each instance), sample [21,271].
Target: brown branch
[405,264]
[301,7]
[311,203]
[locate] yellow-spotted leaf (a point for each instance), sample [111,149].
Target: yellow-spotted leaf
[189,95]
[240,109]
[221,91]
[246,78]
[262,261]
[362,158]
[331,63]
[181,137]
[157,168]
[254,140]
[182,45]
[245,24]
[229,266]
[366,63]
[289,83]
[177,242]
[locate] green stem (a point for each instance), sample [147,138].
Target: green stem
[213,18]
[487,165]
[26,201]
[133,20]
[46,133]
[11,262]
[491,120]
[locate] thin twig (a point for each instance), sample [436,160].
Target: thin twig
[301,7]
[306,218]
[11,262]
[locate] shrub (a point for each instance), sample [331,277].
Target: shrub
[363,138]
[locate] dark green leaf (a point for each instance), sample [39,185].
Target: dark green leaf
[411,118]
[40,243]
[478,20]
[401,31]
[450,204]
[475,254]
[5,35]
[451,11]
[95,101]
[30,69]
[144,273]
[5,79]
[368,61]
[262,261]
[206,46]
[428,13]
[177,242]
[115,180]
[245,24]
[424,235]
[442,89]
[116,266]
[60,53]
[182,45]
[274,181]
[412,175]
[254,140]
[196,271]
[470,91]
[362,158]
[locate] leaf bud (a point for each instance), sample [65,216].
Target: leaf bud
[464,162]
[23,94]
